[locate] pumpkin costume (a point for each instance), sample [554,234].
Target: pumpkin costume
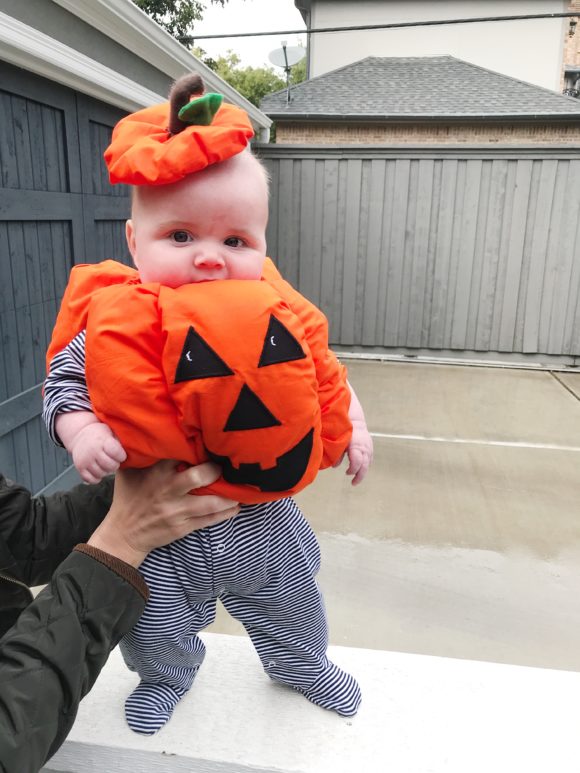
[235,370]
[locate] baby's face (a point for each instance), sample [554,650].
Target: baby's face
[210,225]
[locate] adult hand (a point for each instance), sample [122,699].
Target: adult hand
[152,507]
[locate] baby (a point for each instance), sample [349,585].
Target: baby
[192,227]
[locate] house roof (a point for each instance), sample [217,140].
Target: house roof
[304,6]
[420,88]
[63,58]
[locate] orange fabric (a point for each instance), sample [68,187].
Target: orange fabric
[333,392]
[136,341]
[85,279]
[142,152]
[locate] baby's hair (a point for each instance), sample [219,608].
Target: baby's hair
[134,189]
[182,91]
[133,193]
[263,168]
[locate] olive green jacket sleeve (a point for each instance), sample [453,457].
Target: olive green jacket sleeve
[51,657]
[37,533]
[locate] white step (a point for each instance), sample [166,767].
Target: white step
[420,714]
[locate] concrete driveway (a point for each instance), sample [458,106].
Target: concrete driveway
[464,540]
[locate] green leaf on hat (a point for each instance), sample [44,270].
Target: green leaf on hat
[200,111]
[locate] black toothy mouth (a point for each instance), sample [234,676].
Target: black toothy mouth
[289,469]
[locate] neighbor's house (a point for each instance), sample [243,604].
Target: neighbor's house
[431,208]
[69,69]
[571,74]
[533,50]
[420,101]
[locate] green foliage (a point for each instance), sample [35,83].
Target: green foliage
[252,82]
[176,16]
[298,72]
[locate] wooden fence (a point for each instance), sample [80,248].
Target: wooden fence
[447,250]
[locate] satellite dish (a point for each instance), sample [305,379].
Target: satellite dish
[286,57]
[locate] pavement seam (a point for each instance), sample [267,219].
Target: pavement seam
[476,442]
[566,387]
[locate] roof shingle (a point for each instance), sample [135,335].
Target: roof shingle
[421,87]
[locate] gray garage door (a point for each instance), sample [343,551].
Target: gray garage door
[56,209]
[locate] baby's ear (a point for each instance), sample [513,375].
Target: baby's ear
[130,236]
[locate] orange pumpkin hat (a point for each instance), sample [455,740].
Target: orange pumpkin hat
[164,143]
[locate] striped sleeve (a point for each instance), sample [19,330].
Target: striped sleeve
[65,387]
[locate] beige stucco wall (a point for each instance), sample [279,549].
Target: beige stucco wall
[572,41]
[528,50]
[372,134]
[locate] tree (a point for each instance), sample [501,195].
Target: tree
[298,72]
[252,82]
[176,16]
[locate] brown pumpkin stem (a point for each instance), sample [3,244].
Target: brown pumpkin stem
[183,91]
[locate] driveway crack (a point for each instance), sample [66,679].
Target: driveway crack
[566,387]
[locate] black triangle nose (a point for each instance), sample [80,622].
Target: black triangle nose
[250,413]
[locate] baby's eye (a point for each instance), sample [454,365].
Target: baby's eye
[234,241]
[180,237]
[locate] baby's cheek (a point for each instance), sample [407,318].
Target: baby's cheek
[248,265]
[174,275]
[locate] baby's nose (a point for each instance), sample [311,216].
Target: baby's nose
[208,256]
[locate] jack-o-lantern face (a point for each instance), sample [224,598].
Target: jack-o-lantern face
[223,369]
[199,361]
[240,372]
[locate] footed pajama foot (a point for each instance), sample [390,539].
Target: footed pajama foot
[150,706]
[335,690]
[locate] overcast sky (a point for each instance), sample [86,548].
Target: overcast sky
[250,16]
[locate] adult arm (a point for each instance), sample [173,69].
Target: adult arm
[38,533]
[50,659]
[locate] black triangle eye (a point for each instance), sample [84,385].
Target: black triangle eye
[279,345]
[198,360]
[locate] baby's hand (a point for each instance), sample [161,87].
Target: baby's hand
[359,452]
[96,452]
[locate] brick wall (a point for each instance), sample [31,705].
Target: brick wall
[571,42]
[372,134]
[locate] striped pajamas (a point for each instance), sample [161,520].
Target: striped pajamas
[261,564]
[65,387]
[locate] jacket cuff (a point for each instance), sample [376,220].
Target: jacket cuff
[124,570]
